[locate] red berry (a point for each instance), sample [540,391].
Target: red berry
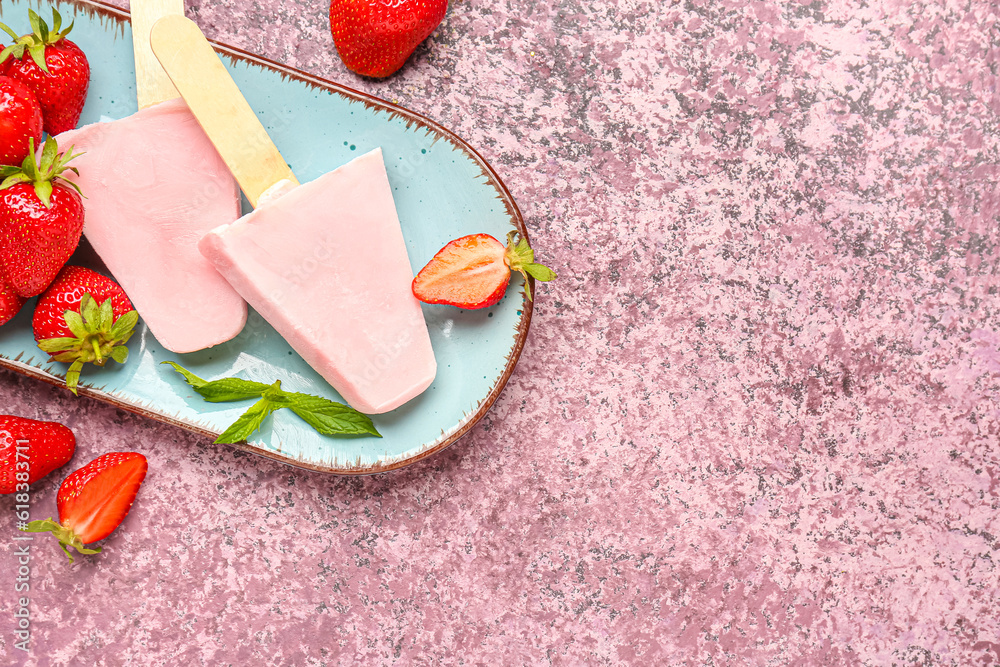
[94,500]
[374,37]
[20,120]
[10,303]
[37,241]
[469,272]
[41,220]
[61,86]
[83,317]
[66,292]
[30,450]
[474,271]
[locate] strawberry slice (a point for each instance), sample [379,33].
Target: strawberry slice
[94,500]
[474,271]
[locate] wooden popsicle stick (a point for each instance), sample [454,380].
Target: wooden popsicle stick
[152,85]
[213,97]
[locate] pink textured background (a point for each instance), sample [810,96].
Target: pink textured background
[755,422]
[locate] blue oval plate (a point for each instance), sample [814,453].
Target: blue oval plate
[443,190]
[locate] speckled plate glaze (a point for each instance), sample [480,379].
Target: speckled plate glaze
[442,189]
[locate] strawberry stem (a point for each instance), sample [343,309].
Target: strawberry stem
[35,41]
[521,258]
[95,338]
[41,170]
[67,538]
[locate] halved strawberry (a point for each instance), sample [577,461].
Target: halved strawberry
[474,271]
[83,317]
[94,500]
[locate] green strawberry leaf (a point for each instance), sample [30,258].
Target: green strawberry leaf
[35,20]
[73,375]
[540,272]
[105,316]
[120,354]
[122,329]
[247,423]
[6,29]
[89,309]
[37,53]
[56,21]
[6,53]
[13,180]
[51,345]
[75,323]
[43,189]
[50,154]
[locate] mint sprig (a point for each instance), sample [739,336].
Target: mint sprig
[325,416]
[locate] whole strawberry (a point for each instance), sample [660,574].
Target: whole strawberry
[41,219]
[83,317]
[30,450]
[53,67]
[94,500]
[10,303]
[474,271]
[20,120]
[375,37]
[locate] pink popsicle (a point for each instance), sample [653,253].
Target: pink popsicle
[154,185]
[325,264]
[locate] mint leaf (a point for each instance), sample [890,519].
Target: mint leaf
[276,395]
[221,391]
[189,377]
[329,417]
[248,422]
[325,416]
[230,389]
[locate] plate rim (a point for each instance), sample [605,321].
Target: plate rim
[103,10]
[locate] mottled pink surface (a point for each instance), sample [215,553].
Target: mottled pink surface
[755,422]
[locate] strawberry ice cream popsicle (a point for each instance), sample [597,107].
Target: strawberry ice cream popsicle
[325,262]
[154,185]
